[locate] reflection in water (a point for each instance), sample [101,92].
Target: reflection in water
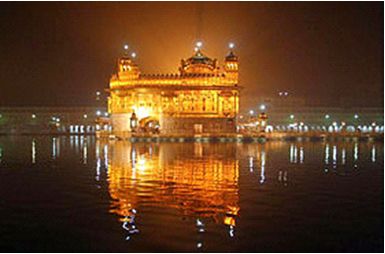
[33,155]
[343,156]
[191,197]
[129,224]
[203,185]
[355,156]
[327,155]
[98,161]
[105,154]
[301,155]
[334,156]
[282,177]
[263,162]
[85,152]
[199,180]
[373,152]
[251,164]
[55,147]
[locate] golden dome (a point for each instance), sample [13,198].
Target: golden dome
[199,63]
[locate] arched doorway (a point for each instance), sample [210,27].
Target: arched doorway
[149,124]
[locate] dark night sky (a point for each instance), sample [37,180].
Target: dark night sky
[61,53]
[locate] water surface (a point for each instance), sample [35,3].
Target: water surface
[65,194]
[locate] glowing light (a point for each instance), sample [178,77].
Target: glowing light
[231,45]
[98,113]
[199,44]
[85,115]
[251,112]
[327,116]
[106,114]
[262,107]
[373,124]
[231,231]
[126,47]
[356,116]
[141,165]
[142,112]
[33,116]
[133,55]
[97,93]
[291,116]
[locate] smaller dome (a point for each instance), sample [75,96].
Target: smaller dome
[231,57]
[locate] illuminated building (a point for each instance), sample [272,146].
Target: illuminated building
[200,98]
[50,120]
[292,113]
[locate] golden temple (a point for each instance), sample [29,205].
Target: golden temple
[201,98]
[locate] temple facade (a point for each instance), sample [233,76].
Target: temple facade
[203,97]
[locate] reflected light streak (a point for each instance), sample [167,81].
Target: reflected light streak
[33,151]
[327,156]
[98,161]
[251,164]
[301,155]
[343,156]
[54,148]
[355,154]
[373,152]
[105,155]
[263,162]
[85,153]
[291,153]
[334,156]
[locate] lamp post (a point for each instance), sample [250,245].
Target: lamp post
[133,122]
[262,122]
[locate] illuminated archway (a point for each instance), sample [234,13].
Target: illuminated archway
[149,124]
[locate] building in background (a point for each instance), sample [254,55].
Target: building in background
[202,98]
[51,120]
[289,113]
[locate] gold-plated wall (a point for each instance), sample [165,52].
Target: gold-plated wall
[200,90]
